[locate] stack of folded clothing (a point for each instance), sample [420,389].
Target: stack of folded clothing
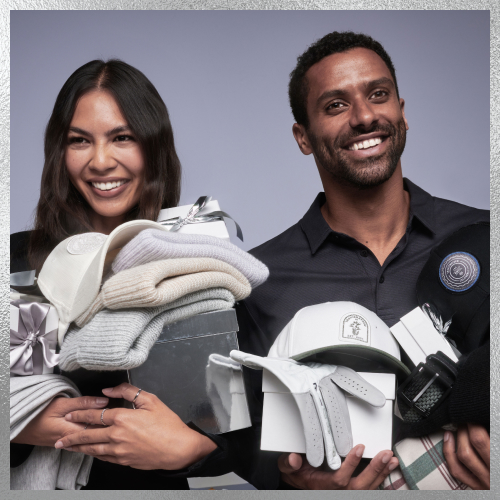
[157,278]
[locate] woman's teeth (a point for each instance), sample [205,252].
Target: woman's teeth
[106,186]
[365,144]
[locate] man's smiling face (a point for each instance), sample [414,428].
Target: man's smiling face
[357,128]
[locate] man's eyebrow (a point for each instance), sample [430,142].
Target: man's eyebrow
[330,94]
[116,130]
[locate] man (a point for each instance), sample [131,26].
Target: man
[365,239]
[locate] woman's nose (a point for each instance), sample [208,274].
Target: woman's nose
[102,159]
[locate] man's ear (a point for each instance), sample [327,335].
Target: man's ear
[300,134]
[402,106]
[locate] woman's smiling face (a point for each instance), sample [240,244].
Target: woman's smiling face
[104,161]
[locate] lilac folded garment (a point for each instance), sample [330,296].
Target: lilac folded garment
[153,244]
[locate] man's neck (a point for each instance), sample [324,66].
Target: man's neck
[376,217]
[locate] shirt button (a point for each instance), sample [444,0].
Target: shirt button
[381,280]
[364,253]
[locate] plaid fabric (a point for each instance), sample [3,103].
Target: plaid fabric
[422,466]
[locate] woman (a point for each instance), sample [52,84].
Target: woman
[109,158]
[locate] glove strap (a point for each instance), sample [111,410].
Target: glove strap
[427,387]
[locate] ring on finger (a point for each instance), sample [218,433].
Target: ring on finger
[136,396]
[102,415]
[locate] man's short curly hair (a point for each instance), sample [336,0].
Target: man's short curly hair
[330,44]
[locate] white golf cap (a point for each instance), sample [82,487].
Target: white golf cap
[340,333]
[71,275]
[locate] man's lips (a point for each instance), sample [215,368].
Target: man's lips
[365,141]
[367,145]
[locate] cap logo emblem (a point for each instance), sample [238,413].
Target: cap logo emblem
[354,327]
[459,271]
[84,243]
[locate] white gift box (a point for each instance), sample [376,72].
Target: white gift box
[48,327]
[215,228]
[282,428]
[416,334]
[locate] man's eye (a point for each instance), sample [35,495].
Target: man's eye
[335,105]
[379,93]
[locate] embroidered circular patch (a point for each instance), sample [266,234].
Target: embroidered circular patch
[85,243]
[459,271]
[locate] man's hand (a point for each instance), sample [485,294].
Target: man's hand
[49,425]
[469,461]
[297,472]
[150,437]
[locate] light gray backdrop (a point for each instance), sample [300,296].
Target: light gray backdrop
[224,76]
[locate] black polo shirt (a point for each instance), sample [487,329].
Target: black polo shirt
[310,264]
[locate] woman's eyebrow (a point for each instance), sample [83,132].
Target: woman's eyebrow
[116,130]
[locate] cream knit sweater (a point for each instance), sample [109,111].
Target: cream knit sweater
[165,281]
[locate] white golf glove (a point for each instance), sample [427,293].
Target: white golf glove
[322,405]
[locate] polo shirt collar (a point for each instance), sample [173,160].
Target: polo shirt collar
[317,230]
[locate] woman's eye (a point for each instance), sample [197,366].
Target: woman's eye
[124,138]
[77,140]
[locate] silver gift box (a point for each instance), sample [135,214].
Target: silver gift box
[189,369]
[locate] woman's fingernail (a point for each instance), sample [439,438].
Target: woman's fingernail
[108,390]
[68,416]
[59,444]
[393,466]
[359,451]
[101,401]
[386,458]
[446,436]
[69,448]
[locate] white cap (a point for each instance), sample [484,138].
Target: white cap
[71,275]
[341,333]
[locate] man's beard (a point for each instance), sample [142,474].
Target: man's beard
[363,173]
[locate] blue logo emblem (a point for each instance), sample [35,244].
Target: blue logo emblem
[459,271]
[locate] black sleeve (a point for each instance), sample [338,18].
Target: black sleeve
[19,453]
[470,396]
[469,400]
[19,252]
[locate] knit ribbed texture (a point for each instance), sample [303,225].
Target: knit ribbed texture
[152,244]
[165,281]
[121,340]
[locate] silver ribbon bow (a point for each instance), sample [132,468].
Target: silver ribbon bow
[193,218]
[31,347]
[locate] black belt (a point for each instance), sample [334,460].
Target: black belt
[426,388]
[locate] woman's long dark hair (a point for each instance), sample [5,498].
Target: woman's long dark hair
[62,211]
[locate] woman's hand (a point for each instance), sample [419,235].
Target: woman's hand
[470,461]
[50,424]
[150,437]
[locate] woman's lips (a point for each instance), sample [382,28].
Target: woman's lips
[110,193]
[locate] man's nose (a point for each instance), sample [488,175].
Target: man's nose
[363,115]
[102,158]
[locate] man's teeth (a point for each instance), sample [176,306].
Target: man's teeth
[106,186]
[365,144]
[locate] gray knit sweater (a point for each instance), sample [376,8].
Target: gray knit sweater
[121,339]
